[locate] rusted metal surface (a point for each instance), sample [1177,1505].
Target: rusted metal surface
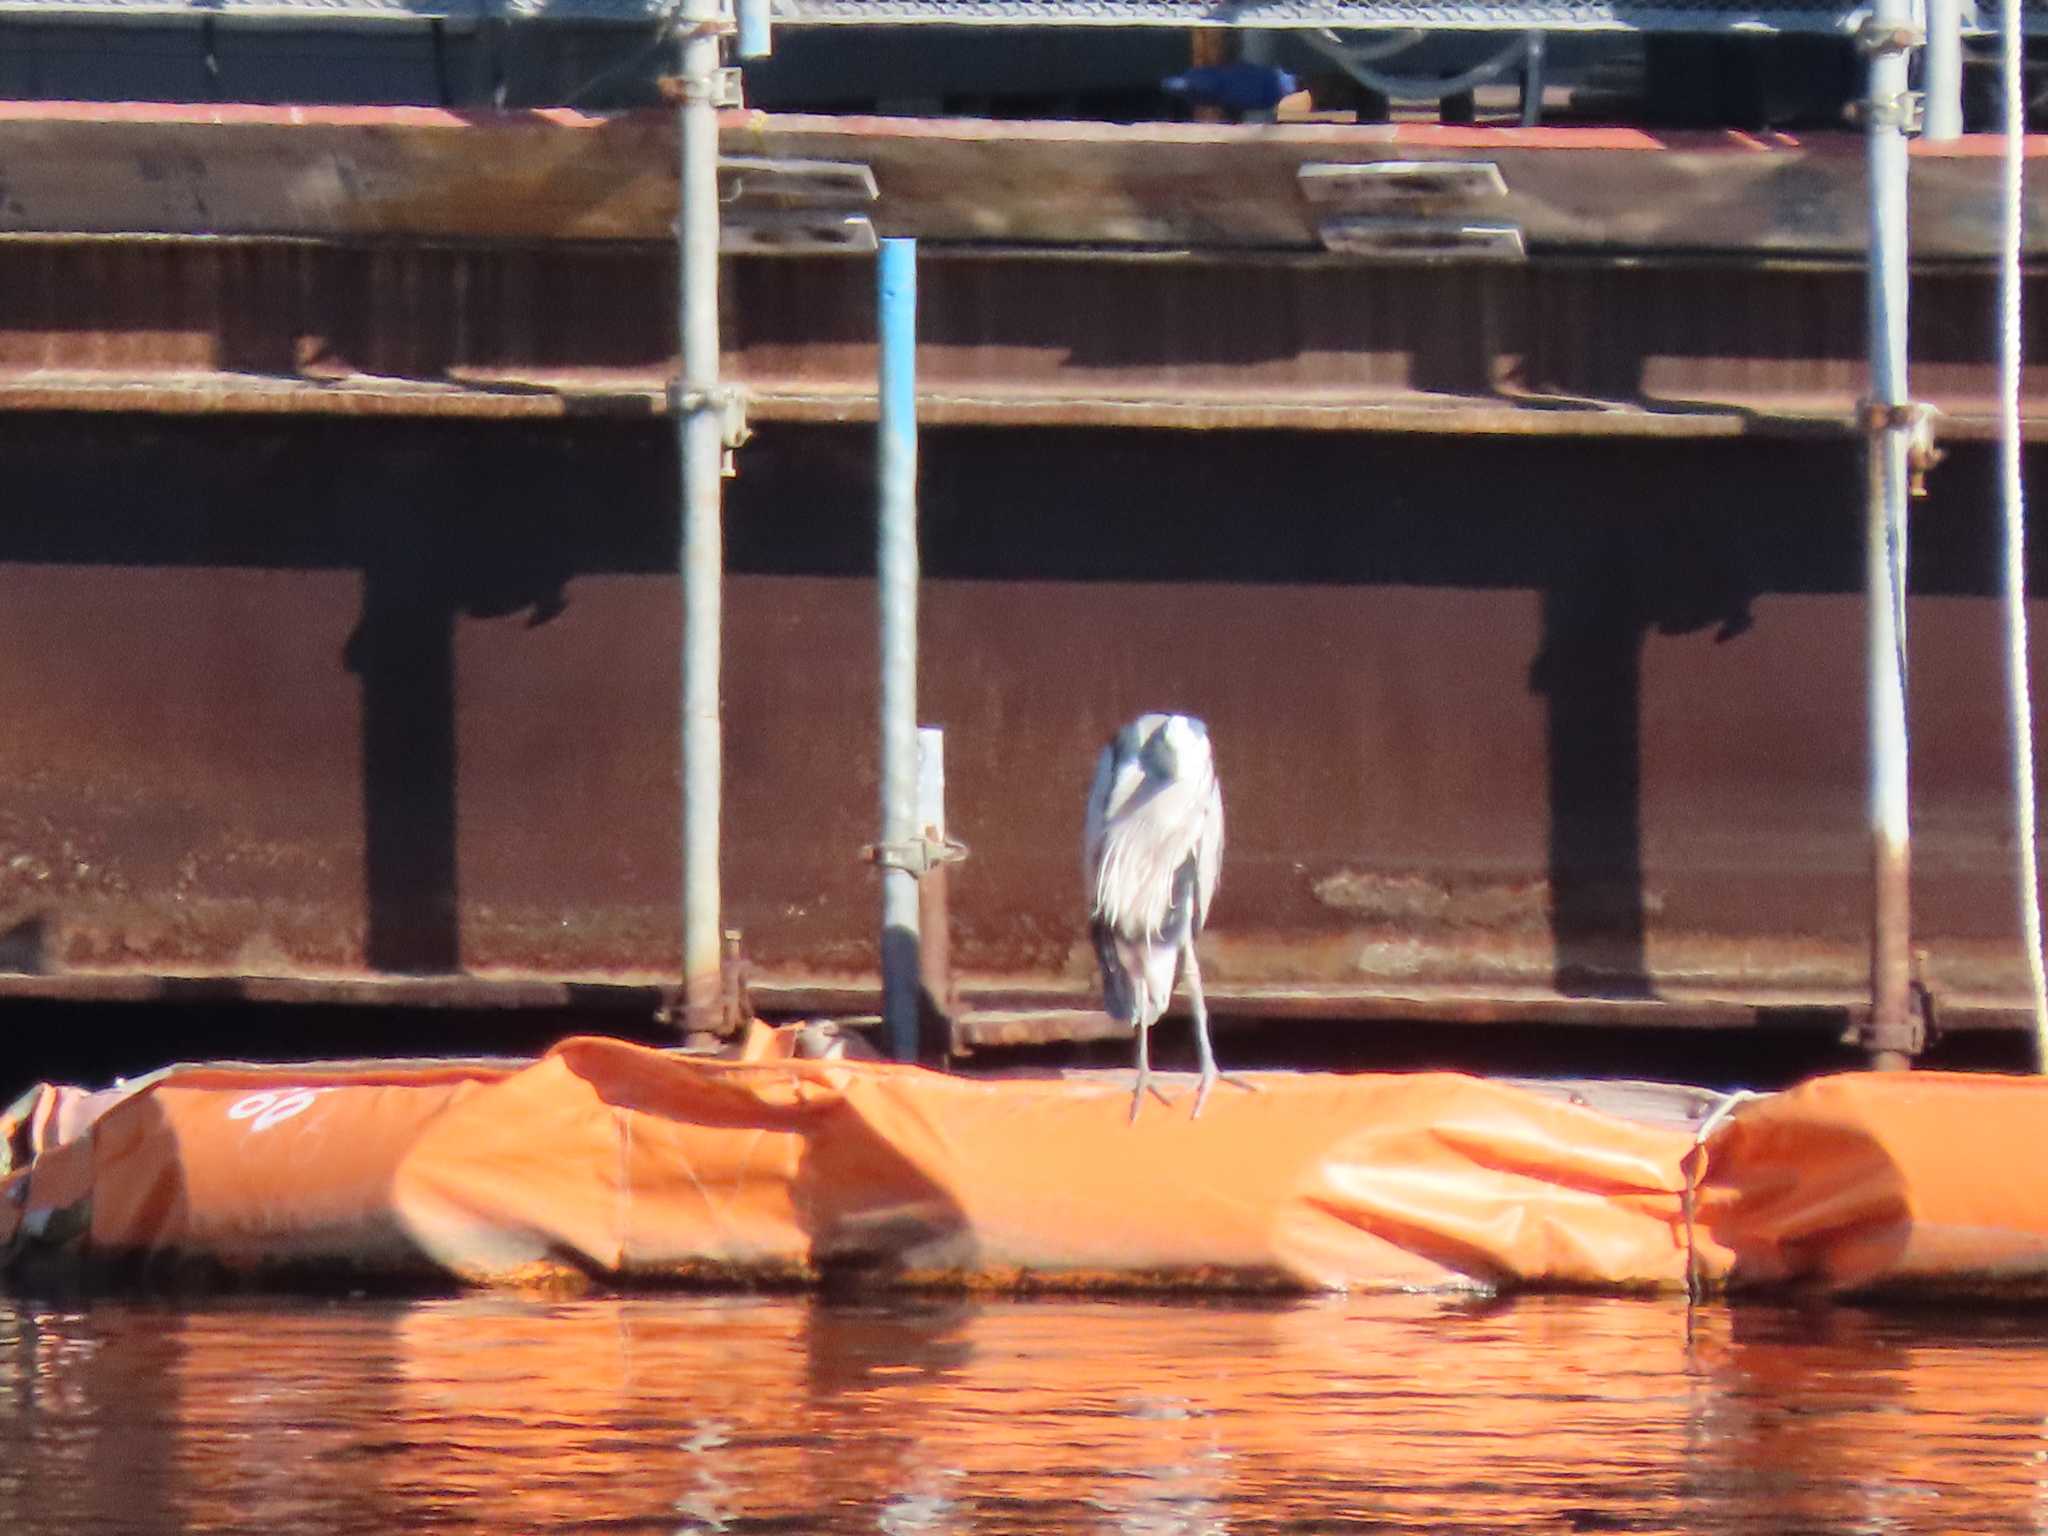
[1538,729]
[640,1003]
[941,1000]
[570,330]
[1591,349]
[1892,1034]
[409,172]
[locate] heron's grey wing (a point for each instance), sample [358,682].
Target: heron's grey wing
[1119,994]
[1209,851]
[1095,830]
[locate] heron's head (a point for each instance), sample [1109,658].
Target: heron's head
[1173,746]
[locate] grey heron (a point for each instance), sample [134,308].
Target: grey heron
[1151,854]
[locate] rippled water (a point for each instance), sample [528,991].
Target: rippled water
[701,1415]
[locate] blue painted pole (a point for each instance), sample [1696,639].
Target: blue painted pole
[1941,74]
[753,40]
[896,566]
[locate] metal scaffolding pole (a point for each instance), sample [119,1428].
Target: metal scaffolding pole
[896,564]
[2019,690]
[700,432]
[1890,422]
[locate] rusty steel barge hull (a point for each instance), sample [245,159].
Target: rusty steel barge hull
[287,705]
[339,618]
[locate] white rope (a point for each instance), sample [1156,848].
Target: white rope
[2019,694]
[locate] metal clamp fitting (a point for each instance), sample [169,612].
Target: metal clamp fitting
[729,401]
[919,856]
[680,25]
[1909,1035]
[722,87]
[1874,36]
[1905,111]
[1914,417]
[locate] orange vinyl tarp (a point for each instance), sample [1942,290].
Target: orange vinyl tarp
[1894,1181]
[615,1164]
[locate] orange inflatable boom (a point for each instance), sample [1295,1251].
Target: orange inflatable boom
[614,1165]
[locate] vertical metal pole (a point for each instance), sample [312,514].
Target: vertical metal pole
[1890,1037]
[700,437]
[1532,80]
[754,29]
[1257,47]
[896,564]
[1207,46]
[1942,70]
[2013,494]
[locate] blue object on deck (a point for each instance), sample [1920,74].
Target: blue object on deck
[1243,86]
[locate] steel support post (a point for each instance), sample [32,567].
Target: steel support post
[700,430]
[1892,1034]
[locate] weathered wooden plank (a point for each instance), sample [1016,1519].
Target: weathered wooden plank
[348,173]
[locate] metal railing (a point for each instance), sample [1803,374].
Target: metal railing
[1823,17]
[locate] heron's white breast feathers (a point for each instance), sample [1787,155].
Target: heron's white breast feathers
[1140,834]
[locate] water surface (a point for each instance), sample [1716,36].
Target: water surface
[787,1414]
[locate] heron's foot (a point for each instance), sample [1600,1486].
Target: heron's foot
[1210,1080]
[1144,1086]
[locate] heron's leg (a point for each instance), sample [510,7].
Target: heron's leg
[1145,1084]
[1144,1081]
[1200,1008]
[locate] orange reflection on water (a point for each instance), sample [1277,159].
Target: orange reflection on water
[761,1414]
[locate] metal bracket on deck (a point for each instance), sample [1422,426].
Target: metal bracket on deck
[1400,183]
[794,183]
[1915,417]
[795,207]
[1417,188]
[919,856]
[1422,239]
[798,232]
